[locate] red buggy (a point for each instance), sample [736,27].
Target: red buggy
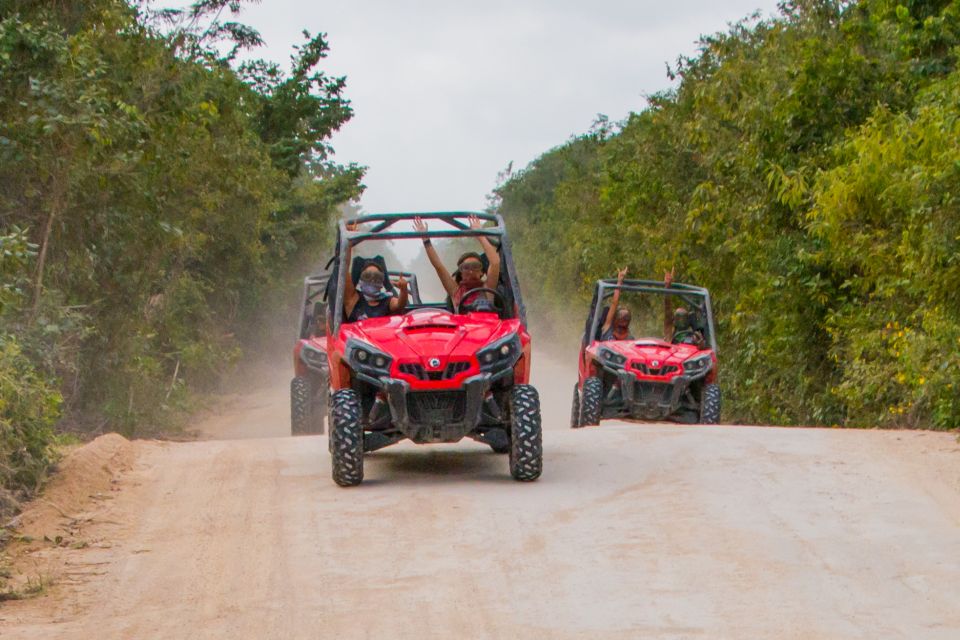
[649,378]
[438,372]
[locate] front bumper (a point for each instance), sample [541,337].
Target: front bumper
[645,399]
[436,416]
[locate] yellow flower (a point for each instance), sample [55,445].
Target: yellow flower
[901,378]
[922,380]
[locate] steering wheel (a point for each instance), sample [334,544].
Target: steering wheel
[497,297]
[681,337]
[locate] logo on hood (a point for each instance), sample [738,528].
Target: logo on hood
[434,363]
[655,363]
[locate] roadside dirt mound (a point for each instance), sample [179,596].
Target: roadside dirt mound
[64,516]
[82,479]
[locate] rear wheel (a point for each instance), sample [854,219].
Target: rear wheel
[590,402]
[300,401]
[346,438]
[575,408]
[710,404]
[526,436]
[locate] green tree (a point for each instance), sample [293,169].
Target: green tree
[163,193]
[730,178]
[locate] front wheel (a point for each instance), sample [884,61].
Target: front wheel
[591,402]
[321,401]
[575,408]
[300,404]
[346,438]
[526,435]
[710,404]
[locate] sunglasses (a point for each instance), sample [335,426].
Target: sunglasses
[470,266]
[372,278]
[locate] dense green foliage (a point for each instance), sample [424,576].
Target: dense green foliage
[805,169]
[153,192]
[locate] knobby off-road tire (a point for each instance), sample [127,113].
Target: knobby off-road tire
[575,408]
[526,435]
[308,405]
[318,411]
[346,438]
[591,401]
[301,397]
[710,404]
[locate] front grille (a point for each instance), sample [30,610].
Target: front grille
[449,372]
[455,368]
[650,371]
[436,407]
[654,392]
[412,369]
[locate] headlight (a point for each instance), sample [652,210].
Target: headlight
[367,359]
[313,357]
[612,358]
[698,365]
[500,355]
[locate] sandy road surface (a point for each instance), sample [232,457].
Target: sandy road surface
[653,531]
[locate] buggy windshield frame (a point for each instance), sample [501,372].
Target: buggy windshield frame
[457,226]
[697,297]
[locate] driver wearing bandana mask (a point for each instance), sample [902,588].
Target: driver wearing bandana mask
[368,298]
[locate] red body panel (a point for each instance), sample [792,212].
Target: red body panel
[431,339]
[651,352]
[318,343]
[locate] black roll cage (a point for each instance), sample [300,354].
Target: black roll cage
[697,297]
[413,286]
[314,286]
[458,221]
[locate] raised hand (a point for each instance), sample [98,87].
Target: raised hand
[402,283]
[668,278]
[621,274]
[419,225]
[475,222]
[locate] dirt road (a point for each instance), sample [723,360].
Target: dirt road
[653,531]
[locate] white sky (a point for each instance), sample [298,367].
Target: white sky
[446,93]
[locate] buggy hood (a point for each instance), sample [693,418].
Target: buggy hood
[649,350]
[431,334]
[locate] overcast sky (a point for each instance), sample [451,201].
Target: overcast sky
[446,93]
